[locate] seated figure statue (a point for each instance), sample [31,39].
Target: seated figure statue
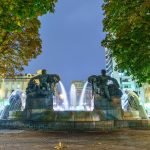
[43,83]
[107,96]
[40,90]
[100,85]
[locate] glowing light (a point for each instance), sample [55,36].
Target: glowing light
[62,96]
[73,97]
[83,94]
[84,103]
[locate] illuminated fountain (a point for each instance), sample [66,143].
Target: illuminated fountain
[82,102]
[16,102]
[60,99]
[84,99]
[73,97]
[46,99]
[64,95]
[46,103]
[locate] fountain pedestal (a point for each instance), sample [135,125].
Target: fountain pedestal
[39,101]
[40,91]
[107,96]
[16,115]
[109,110]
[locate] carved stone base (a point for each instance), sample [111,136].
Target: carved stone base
[111,109]
[39,102]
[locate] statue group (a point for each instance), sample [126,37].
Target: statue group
[40,92]
[42,84]
[105,86]
[107,95]
[41,89]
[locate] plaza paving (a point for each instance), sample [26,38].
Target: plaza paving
[38,140]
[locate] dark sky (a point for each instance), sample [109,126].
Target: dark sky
[71,41]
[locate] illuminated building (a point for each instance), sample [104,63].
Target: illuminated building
[7,85]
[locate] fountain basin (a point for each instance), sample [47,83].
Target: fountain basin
[75,125]
[50,115]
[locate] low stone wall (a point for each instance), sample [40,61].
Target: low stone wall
[72,125]
[50,115]
[139,124]
[57,126]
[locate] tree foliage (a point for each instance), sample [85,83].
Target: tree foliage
[127,26]
[13,12]
[19,32]
[18,48]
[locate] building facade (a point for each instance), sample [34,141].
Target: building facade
[7,85]
[123,79]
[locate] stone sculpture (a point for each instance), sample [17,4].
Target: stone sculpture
[40,91]
[100,86]
[107,97]
[134,104]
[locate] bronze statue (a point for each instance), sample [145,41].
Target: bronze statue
[107,96]
[100,85]
[40,91]
[43,83]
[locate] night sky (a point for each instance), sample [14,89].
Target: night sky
[71,41]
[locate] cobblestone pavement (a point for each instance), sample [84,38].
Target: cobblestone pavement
[38,140]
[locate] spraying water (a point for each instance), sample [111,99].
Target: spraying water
[14,103]
[3,107]
[63,95]
[23,101]
[85,99]
[81,102]
[73,97]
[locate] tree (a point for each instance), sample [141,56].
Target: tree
[19,37]
[127,26]
[18,48]
[13,12]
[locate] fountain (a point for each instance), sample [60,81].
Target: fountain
[46,100]
[16,102]
[132,107]
[93,105]
[73,97]
[60,99]
[81,102]
[63,95]
[72,102]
